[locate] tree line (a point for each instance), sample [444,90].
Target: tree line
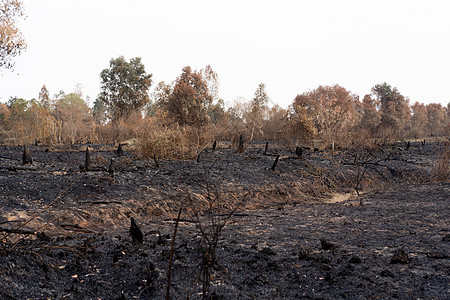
[125,109]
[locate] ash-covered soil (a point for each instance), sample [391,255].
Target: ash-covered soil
[299,232]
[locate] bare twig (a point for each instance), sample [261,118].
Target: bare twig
[171,253]
[17,230]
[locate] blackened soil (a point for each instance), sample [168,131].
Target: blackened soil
[298,233]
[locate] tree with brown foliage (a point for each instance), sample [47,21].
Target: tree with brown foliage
[419,120]
[12,42]
[370,115]
[331,108]
[299,126]
[43,125]
[272,127]
[233,121]
[437,119]
[190,100]
[29,120]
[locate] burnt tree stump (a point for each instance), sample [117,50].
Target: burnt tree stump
[299,152]
[111,167]
[266,148]
[240,148]
[327,245]
[156,161]
[275,163]
[400,257]
[136,233]
[87,162]
[119,151]
[26,157]
[214,146]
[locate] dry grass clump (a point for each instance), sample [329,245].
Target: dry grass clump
[169,142]
[100,160]
[321,182]
[442,169]
[162,137]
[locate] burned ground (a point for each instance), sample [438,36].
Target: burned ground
[299,232]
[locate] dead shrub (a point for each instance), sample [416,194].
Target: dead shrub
[161,137]
[121,130]
[100,160]
[362,139]
[169,142]
[442,168]
[124,161]
[321,180]
[388,135]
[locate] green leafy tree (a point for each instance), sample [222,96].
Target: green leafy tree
[159,97]
[74,116]
[124,87]
[44,97]
[395,111]
[99,112]
[275,123]
[12,42]
[5,114]
[217,111]
[217,107]
[18,106]
[258,107]
[212,81]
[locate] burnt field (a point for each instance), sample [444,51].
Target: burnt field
[350,224]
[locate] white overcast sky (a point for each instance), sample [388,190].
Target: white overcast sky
[291,46]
